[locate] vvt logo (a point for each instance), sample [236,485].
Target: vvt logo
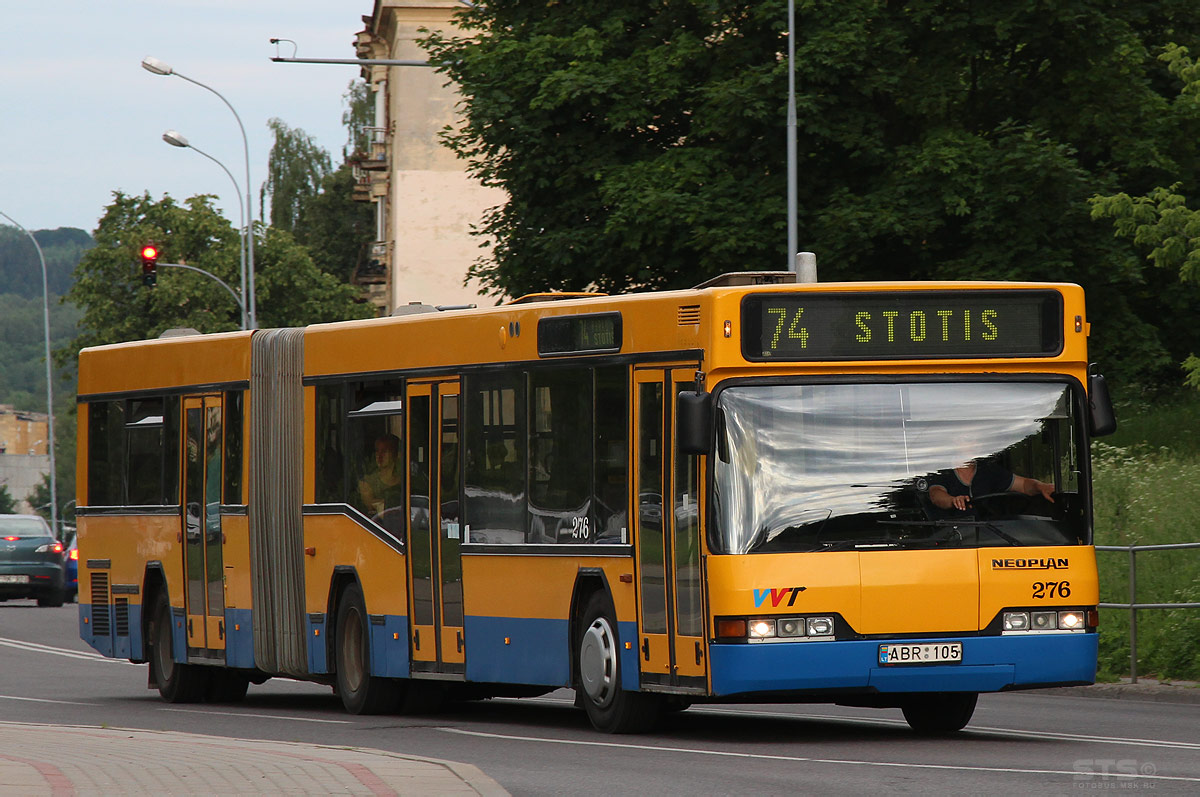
[776,594]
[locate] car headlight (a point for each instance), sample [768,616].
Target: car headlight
[1069,621]
[820,626]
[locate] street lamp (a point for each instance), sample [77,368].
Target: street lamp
[157,67]
[49,383]
[177,139]
[792,236]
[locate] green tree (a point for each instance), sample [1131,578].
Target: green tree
[335,226]
[296,166]
[8,504]
[643,145]
[116,307]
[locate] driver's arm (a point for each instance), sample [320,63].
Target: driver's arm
[942,499]
[1032,487]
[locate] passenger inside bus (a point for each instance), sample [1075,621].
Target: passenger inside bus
[383,486]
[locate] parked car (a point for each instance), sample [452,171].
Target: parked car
[31,560]
[71,569]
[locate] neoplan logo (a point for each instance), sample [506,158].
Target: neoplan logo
[777,594]
[1031,564]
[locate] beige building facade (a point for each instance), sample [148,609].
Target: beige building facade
[24,452]
[425,203]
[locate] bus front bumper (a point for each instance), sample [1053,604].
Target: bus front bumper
[989,664]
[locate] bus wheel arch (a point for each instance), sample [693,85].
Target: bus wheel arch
[360,691]
[177,682]
[597,673]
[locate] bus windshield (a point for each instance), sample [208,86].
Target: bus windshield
[834,467]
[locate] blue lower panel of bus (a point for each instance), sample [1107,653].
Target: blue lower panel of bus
[239,638]
[537,651]
[989,664]
[121,629]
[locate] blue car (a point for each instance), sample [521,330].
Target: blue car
[71,569]
[31,560]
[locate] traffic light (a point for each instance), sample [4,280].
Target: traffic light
[150,265]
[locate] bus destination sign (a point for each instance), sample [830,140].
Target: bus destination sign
[902,324]
[591,333]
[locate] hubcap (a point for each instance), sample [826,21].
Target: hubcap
[598,662]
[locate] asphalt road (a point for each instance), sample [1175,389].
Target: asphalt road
[1031,742]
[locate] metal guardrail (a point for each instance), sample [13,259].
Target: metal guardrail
[1133,606]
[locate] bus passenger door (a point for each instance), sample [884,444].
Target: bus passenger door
[435,534]
[668,520]
[204,590]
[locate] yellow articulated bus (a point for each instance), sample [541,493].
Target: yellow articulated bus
[872,494]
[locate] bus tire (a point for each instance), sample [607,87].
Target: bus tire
[227,686]
[940,712]
[177,683]
[610,708]
[361,692]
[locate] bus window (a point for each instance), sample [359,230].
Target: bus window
[560,457]
[106,453]
[331,474]
[375,444]
[144,451]
[838,467]
[610,448]
[234,429]
[494,489]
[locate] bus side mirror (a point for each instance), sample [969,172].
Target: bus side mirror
[693,422]
[1101,418]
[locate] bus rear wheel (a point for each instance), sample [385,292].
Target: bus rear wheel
[610,708]
[361,692]
[940,712]
[177,683]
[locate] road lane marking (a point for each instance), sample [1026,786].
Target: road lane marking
[34,647]
[45,700]
[291,718]
[807,760]
[1012,732]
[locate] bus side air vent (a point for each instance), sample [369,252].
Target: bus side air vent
[122,616]
[101,619]
[689,314]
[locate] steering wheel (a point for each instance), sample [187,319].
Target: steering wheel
[994,505]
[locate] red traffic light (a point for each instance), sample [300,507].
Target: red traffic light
[149,265]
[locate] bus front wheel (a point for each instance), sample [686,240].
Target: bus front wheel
[177,683]
[361,692]
[610,708]
[940,712]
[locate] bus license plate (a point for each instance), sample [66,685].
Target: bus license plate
[14,579]
[925,653]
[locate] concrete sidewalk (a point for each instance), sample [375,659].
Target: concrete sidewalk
[64,760]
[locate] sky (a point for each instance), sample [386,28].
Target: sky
[80,118]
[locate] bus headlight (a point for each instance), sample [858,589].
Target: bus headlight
[762,629]
[790,627]
[1016,621]
[1069,621]
[820,626]
[1044,621]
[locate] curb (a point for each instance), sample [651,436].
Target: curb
[87,760]
[1146,689]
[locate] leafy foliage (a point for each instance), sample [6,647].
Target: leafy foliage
[20,269]
[291,290]
[642,145]
[8,504]
[334,226]
[296,166]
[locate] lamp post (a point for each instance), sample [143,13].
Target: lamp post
[157,67]
[49,375]
[177,139]
[792,236]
